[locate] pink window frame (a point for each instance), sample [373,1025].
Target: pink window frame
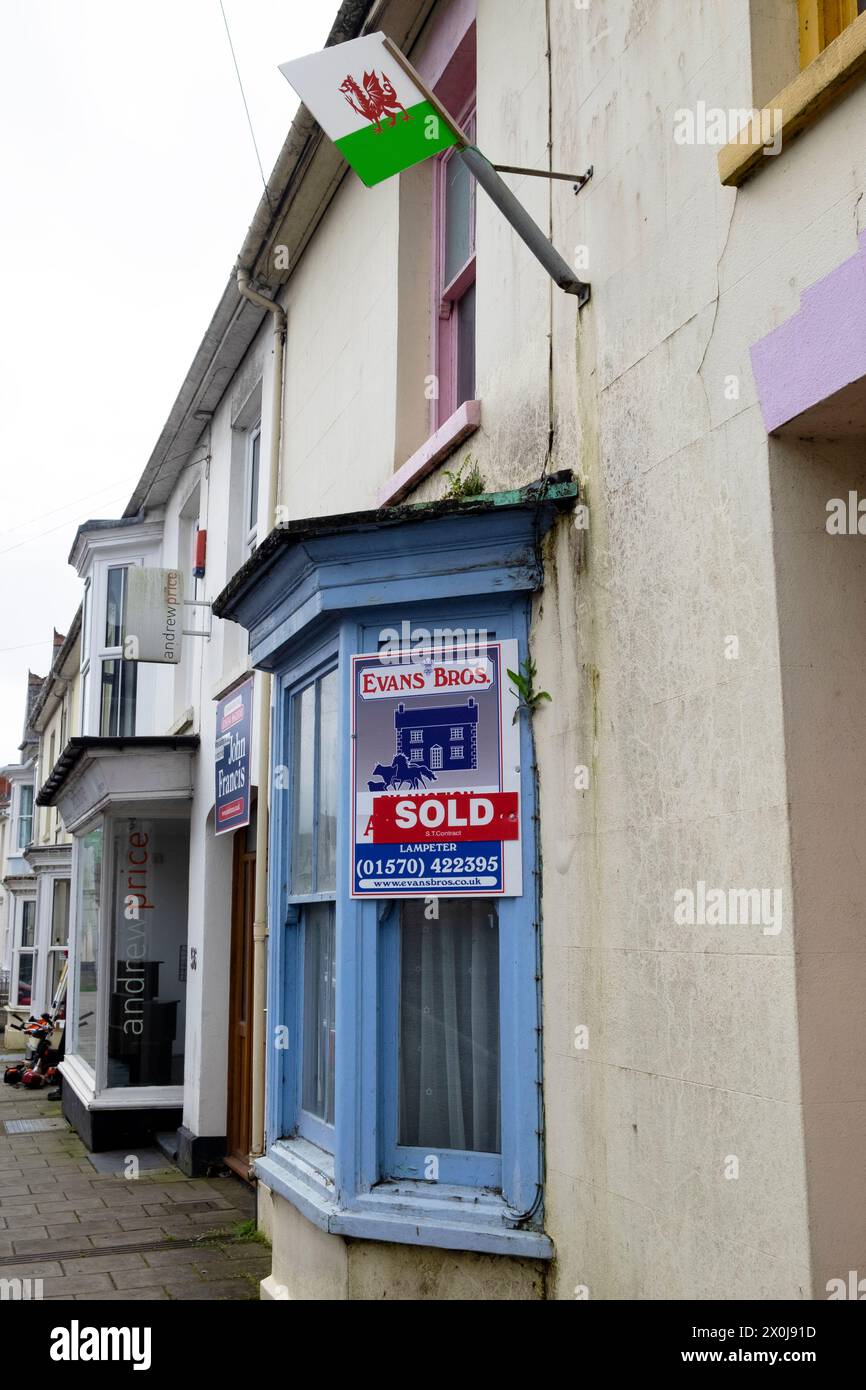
[446,298]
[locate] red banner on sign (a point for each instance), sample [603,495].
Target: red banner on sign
[451,816]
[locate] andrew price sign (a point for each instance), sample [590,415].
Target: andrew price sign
[435,775]
[153,616]
[376,114]
[232,754]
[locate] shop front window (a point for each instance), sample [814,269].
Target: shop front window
[146,1003]
[87,951]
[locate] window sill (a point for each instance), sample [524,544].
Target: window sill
[404,1213]
[462,423]
[841,67]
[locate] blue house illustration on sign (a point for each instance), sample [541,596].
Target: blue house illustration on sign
[444,739]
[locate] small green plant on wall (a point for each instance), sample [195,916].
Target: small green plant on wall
[465,481]
[528,698]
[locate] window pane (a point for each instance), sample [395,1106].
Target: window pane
[26,964]
[119,685]
[255,447]
[56,962]
[302,814]
[60,912]
[466,347]
[317,1092]
[114,606]
[82,714]
[449,1027]
[87,928]
[147,999]
[28,923]
[25,817]
[458,218]
[326,828]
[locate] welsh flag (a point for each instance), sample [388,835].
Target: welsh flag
[367,98]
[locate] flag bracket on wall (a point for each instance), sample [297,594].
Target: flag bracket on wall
[383,118]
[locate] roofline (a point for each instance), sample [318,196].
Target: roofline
[61,656]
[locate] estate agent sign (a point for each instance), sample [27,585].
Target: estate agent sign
[436,774]
[232,753]
[152,624]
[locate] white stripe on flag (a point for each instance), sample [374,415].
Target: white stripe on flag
[317,79]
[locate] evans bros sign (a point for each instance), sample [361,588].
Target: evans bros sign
[436,774]
[152,623]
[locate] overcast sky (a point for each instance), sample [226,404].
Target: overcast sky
[128,182]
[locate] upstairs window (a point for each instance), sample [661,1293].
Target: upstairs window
[25,817]
[454,243]
[119,678]
[822,21]
[254,447]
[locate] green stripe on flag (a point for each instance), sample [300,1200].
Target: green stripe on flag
[377,156]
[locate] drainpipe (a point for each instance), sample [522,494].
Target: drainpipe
[260,910]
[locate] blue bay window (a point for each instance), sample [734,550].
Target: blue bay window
[404,1086]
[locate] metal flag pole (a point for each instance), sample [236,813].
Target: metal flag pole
[526,228]
[498,191]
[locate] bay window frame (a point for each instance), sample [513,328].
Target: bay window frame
[481,1201]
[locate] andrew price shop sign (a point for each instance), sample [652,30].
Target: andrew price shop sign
[435,775]
[232,753]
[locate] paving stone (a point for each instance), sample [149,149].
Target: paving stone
[18,1217]
[70,1234]
[35,1243]
[237,1290]
[67,1285]
[228,1269]
[165,1259]
[13,1189]
[76,1206]
[143,1278]
[124,1260]
[38,1269]
[115,1239]
[174,1225]
[152,1295]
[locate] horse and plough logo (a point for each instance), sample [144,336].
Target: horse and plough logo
[374,100]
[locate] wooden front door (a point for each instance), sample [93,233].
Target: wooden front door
[238,1122]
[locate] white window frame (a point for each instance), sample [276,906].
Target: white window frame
[20,789]
[19,951]
[103,651]
[254,437]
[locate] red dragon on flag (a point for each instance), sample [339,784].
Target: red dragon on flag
[374,100]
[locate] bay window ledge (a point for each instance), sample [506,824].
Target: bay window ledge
[834,73]
[465,421]
[403,1213]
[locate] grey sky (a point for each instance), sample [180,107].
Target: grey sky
[129,180]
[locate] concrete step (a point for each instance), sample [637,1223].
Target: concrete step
[167,1142]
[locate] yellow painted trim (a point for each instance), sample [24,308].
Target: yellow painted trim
[820,22]
[834,73]
[810,15]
